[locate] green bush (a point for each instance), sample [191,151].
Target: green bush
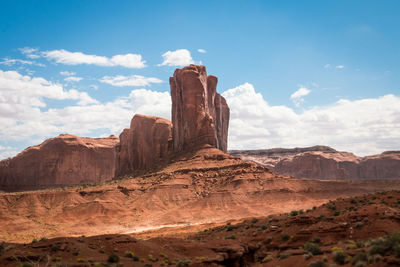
[339,257]
[294,213]
[284,256]
[113,258]
[254,220]
[230,237]
[285,237]
[312,248]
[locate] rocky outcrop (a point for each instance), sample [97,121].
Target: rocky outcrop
[63,160]
[144,145]
[199,114]
[321,162]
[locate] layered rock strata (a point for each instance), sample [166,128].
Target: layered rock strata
[199,114]
[63,160]
[144,145]
[321,162]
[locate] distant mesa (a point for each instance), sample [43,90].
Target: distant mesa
[200,116]
[322,162]
[63,160]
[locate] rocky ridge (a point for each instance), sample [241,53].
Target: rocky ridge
[321,162]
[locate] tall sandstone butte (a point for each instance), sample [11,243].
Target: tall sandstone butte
[144,145]
[63,160]
[199,114]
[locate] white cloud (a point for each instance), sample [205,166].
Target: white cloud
[201,51]
[18,91]
[367,126]
[129,61]
[76,58]
[94,86]
[180,57]
[327,66]
[339,67]
[298,96]
[133,80]
[73,79]
[67,73]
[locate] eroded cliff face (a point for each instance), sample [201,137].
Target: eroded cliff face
[320,162]
[144,145]
[199,114]
[63,160]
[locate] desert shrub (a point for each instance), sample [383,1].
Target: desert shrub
[183,263]
[230,228]
[264,226]
[267,259]
[353,201]
[360,264]
[339,257]
[317,263]
[301,211]
[113,258]
[316,239]
[2,247]
[307,256]
[254,220]
[365,220]
[152,258]
[360,257]
[284,256]
[312,248]
[331,206]
[336,213]
[43,239]
[285,237]
[359,224]
[129,254]
[230,237]
[294,213]
[26,264]
[80,260]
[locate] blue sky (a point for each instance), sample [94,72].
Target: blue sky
[341,57]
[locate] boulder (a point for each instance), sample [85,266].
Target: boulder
[63,160]
[144,146]
[199,114]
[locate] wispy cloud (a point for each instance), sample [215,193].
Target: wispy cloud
[67,73]
[133,80]
[339,67]
[73,79]
[201,51]
[10,62]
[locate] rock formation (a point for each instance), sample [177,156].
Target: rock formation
[199,114]
[144,145]
[321,162]
[63,160]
